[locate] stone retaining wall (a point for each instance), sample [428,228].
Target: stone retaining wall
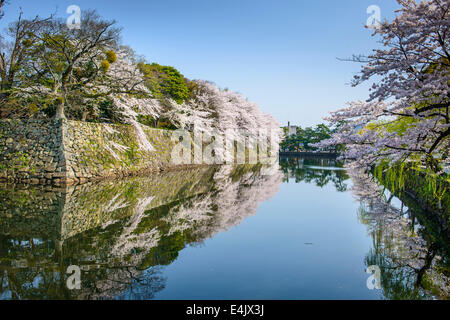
[68,152]
[31,151]
[97,150]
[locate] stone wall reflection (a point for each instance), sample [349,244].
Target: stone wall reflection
[121,233]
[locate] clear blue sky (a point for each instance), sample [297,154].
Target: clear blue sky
[280,54]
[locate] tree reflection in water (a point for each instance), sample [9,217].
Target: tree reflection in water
[319,171]
[121,233]
[410,245]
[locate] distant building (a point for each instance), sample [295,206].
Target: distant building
[292,130]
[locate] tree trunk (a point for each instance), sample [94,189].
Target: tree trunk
[60,111]
[61,101]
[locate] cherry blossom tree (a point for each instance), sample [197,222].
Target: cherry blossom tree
[124,85]
[407,113]
[223,112]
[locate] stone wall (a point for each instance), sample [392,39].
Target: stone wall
[68,152]
[31,151]
[94,150]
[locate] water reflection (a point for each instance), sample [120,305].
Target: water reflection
[319,171]
[125,234]
[121,233]
[410,245]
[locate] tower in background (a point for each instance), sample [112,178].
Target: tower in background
[292,130]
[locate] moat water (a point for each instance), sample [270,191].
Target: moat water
[298,229]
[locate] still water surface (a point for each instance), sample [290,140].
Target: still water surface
[301,229]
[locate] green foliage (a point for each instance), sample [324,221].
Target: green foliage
[432,189]
[147,120]
[107,113]
[398,126]
[160,123]
[166,124]
[111,56]
[165,82]
[305,138]
[104,65]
